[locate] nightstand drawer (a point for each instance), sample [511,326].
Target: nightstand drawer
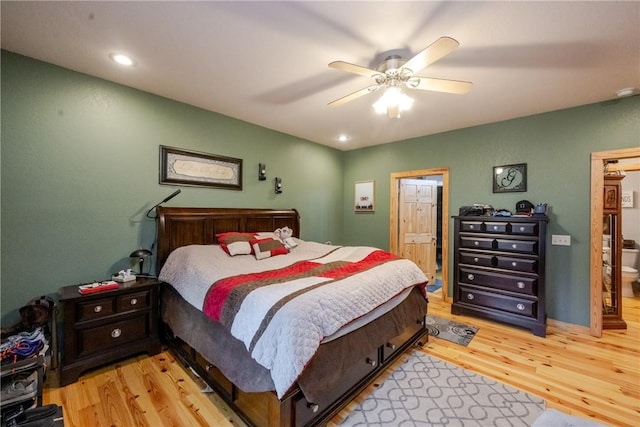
[95,309]
[136,301]
[104,337]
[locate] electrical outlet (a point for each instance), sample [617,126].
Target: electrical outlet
[561,239]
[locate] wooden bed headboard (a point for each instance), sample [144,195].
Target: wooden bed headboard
[198,226]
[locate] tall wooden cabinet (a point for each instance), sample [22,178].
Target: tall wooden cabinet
[612,267]
[499,269]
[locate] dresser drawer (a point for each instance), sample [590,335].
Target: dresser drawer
[305,410]
[476,242]
[503,282]
[496,227]
[526,265]
[95,309]
[393,345]
[471,258]
[112,335]
[522,246]
[136,301]
[520,306]
[472,226]
[524,228]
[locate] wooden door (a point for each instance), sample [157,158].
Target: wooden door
[417,218]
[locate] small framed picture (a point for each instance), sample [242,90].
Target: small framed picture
[364,196]
[510,178]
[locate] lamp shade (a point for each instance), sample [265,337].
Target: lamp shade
[141,254]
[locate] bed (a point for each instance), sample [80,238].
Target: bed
[340,341]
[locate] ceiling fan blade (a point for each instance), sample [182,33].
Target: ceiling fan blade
[436,50]
[353,96]
[352,68]
[439,85]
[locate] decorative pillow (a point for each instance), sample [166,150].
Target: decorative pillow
[266,248]
[235,243]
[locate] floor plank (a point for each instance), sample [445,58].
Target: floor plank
[596,378]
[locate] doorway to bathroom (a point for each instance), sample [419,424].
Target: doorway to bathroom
[630,157]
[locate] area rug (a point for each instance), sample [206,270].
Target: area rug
[437,285]
[426,391]
[449,330]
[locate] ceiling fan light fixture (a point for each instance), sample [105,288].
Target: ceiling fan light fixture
[393,100]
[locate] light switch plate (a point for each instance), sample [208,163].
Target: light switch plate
[561,239]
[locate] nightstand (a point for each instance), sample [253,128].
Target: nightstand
[105,326]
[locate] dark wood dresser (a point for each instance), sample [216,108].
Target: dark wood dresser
[499,269]
[105,326]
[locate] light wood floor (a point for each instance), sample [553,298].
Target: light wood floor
[597,378]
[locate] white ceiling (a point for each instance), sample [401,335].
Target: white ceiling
[266,62]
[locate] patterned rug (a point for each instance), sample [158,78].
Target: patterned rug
[426,391]
[449,330]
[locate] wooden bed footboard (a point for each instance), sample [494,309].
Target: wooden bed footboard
[293,410]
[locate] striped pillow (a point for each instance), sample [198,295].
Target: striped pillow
[266,248]
[235,243]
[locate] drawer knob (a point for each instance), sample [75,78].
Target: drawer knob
[520,307]
[97,309]
[495,227]
[522,228]
[116,333]
[391,346]
[514,246]
[313,406]
[471,227]
[521,285]
[371,362]
[476,243]
[134,301]
[476,259]
[514,264]
[470,276]
[469,297]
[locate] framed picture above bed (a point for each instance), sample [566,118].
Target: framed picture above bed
[364,196]
[183,167]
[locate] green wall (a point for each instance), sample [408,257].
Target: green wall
[556,147]
[80,160]
[79,165]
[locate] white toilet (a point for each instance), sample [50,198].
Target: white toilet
[629,271]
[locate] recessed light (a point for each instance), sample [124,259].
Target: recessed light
[625,92]
[122,59]
[343,138]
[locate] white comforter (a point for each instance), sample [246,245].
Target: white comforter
[282,324]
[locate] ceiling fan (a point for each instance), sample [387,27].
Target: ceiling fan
[394,73]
